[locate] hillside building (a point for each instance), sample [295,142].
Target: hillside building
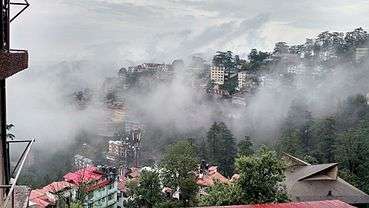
[100,185]
[218,74]
[246,81]
[81,162]
[306,182]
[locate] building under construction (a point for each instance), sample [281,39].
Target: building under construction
[11,61]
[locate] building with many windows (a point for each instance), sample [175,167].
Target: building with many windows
[99,185]
[246,81]
[218,74]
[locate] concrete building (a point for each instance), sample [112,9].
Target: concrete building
[306,182]
[81,162]
[117,151]
[246,81]
[99,184]
[218,74]
[361,54]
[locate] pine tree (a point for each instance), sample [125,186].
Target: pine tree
[222,147]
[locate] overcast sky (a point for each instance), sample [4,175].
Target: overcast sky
[161,30]
[121,32]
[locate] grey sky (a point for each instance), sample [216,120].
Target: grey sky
[121,32]
[160,30]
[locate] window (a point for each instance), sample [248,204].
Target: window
[111,197]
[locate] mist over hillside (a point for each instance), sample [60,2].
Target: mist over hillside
[175,108]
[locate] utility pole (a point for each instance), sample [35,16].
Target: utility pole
[4,47]
[11,62]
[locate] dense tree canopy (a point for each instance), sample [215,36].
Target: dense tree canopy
[221,147]
[179,165]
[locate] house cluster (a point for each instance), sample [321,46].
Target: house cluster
[242,82]
[306,185]
[124,151]
[147,67]
[91,187]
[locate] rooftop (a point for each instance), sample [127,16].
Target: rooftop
[212,176]
[314,204]
[306,182]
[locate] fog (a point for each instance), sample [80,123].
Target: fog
[71,52]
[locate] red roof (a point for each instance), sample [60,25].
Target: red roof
[89,174]
[83,176]
[41,198]
[55,187]
[211,177]
[315,204]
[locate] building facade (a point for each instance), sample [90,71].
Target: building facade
[99,185]
[218,74]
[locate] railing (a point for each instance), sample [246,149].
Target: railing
[16,171]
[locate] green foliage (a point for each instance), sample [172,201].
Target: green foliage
[290,142]
[221,148]
[147,192]
[352,150]
[325,136]
[210,86]
[230,85]
[76,204]
[221,194]
[257,60]
[245,147]
[169,204]
[179,165]
[261,176]
[225,59]
[342,137]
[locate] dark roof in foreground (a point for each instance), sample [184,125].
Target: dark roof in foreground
[306,182]
[314,204]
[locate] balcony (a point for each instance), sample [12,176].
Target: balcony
[12,62]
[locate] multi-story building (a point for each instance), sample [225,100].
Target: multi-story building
[117,150]
[99,185]
[218,74]
[81,162]
[246,81]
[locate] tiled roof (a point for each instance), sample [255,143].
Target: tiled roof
[83,175]
[211,177]
[314,204]
[55,187]
[41,198]
[86,175]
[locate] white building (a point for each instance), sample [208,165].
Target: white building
[82,162]
[116,150]
[218,74]
[246,80]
